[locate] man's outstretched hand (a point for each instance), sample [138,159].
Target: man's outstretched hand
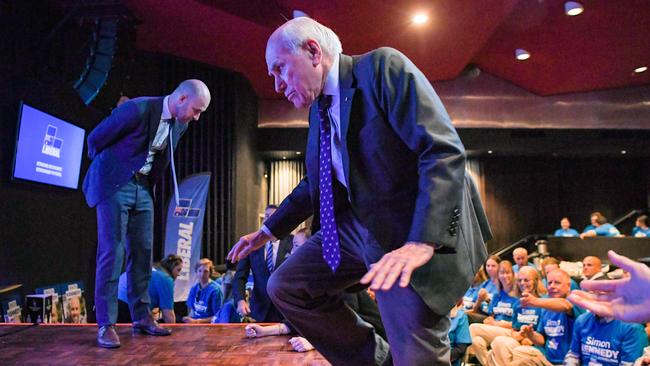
[247,244]
[398,264]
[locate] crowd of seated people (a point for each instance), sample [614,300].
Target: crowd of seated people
[530,321]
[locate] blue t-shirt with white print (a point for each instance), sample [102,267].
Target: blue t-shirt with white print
[557,328]
[524,316]
[502,306]
[492,290]
[607,230]
[606,342]
[568,233]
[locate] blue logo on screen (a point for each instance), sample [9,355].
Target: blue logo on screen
[185,209]
[52,144]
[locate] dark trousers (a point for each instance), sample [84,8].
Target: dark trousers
[309,295]
[124,224]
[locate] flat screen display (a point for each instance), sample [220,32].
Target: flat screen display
[48,149]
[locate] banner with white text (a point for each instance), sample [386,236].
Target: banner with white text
[184,228]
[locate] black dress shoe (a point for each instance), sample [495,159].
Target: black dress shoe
[107,337]
[149,326]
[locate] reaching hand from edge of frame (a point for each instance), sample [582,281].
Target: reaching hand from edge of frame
[398,264]
[627,299]
[247,244]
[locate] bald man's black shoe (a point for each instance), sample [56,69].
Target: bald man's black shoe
[107,337]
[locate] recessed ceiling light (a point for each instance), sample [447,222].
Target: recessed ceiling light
[623,152]
[420,18]
[521,54]
[298,152]
[641,69]
[572,8]
[489,151]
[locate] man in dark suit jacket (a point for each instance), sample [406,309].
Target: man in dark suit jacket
[261,308]
[385,156]
[129,154]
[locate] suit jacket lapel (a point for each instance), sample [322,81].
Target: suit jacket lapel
[346,80]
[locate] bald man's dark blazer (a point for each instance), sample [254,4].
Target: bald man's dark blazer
[119,145]
[405,170]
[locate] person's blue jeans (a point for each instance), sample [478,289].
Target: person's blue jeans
[124,224]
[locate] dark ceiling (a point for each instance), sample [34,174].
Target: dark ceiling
[598,49]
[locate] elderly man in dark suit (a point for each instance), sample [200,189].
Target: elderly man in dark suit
[262,262]
[387,185]
[130,151]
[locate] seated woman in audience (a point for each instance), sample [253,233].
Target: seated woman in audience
[459,337]
[161,290]
[487,290]
[205,297]
[599,227]
[565,229]
[509,314]
[641,229]
[552,336]
[549,264]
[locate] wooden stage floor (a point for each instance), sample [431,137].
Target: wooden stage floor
[218,344]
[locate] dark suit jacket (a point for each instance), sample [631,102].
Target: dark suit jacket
[260,302]
[118,147]
[405,170]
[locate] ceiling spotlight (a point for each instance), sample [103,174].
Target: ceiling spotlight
[623,152]
[641,69]
[572,8]
[298,152]
[489,151]
[420,18]
[521,54]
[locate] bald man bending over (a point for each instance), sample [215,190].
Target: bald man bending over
[130,151]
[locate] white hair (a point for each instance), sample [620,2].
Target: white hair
[295,33]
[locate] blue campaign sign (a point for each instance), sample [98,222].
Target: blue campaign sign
[48,149]
[184,228]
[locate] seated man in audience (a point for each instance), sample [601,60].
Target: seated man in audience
[520,255]
[599,227]
[551,337]
[300,238]
[641,229]
[548,265]
[605,341]
[261,263]
[565,229]
[592,269]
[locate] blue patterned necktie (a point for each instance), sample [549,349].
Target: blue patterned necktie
[329,233]
[269,257]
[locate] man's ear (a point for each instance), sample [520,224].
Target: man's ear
[315,52]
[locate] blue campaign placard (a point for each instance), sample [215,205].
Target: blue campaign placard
[48,149]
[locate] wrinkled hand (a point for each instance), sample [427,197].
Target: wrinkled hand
[300,344]
[528,300]
[627,299]
[247,244]
[243,308]
[254,330]
[399,263]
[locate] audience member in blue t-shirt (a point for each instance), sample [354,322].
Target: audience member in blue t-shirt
[161,289]
[605,341]
[641,228]
[205,297]
[471,295]
[487,290]
[549,341]
[599,227]
[565,229]
[520,256]
[549,264]
[459,337]
[501,310]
